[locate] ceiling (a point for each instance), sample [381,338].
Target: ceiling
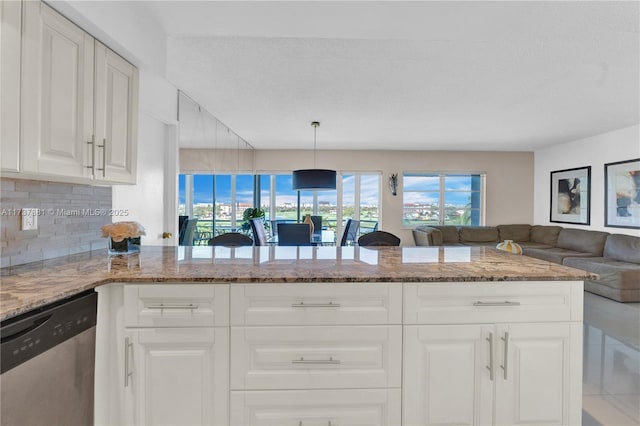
[451,75]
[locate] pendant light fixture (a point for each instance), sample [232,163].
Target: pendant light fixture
[314,179]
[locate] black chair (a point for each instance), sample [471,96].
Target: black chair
[189,232]
[231,239]
[379,238]
[317,225]
[259,234]
[293,234]
[350,232]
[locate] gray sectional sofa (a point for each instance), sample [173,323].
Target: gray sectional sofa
[614,257]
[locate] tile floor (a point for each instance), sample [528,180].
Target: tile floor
[611,387]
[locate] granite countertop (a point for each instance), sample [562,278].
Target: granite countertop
[33,285]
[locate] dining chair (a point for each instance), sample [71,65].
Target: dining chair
[231,239]
[259,234]
[293,234]
[189,232]
[379,238]
[350,231]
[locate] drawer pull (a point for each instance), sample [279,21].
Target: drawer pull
[315,361]
[505,303]
[328,424]
[190,306]
[315,305]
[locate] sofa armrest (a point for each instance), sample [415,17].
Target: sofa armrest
[427,236]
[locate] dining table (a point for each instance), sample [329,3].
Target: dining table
[326,238]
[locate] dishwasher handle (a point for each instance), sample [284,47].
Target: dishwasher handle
[35,324]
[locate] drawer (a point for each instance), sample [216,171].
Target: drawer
[316,304]
[318,357]
[176,305]
[459,303]
[316,407]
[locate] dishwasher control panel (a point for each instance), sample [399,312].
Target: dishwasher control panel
[32,333]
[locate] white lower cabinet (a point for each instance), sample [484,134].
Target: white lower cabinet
[506,374]
[300,355]
[177,376]
[358,407]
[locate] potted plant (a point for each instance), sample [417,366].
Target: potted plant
[252,213]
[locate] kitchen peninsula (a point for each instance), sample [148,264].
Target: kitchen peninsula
[324,335]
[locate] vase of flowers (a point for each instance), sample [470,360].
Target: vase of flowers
[124,237]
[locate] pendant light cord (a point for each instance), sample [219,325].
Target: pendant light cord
[315,125]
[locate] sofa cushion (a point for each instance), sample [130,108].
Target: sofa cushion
[612,293]
[623,247]
[449,234]
[582,241]
[531,244]
[612,273]
[479,234]
[427,236]
[545,234]
[516,233]
[553,254]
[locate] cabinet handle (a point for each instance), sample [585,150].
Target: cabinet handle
[490,366]
[104,156]
[315,305]
[505,303]
[315,361]
[190,306]
[128,347]
[93,155]
[328,424]
[505,362]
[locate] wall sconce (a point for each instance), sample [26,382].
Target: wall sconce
[393,184]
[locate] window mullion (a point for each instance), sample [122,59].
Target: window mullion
[441,198]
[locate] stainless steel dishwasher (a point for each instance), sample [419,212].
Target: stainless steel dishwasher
[47,364]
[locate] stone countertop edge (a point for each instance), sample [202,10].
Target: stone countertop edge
[41,283]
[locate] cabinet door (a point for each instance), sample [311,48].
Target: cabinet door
[180,376]
[116,109]
[538,377]
[11,19]
[446,375]
[57,94]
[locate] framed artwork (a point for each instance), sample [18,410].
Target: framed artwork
[622,194]
[571,196]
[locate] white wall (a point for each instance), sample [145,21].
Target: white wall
[595,151]
[509,175]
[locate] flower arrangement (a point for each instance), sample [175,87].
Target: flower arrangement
[120,231]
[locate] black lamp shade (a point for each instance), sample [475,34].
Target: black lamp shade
[313,180]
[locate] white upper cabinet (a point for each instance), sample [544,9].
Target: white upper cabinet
[78,103]
[57,94]
[116,111]
[11,19]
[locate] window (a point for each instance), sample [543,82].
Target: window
[218,201]
[443,199]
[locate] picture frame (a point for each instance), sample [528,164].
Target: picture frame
[622,194]
[571,196]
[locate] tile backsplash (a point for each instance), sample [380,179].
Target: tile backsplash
[69,219]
